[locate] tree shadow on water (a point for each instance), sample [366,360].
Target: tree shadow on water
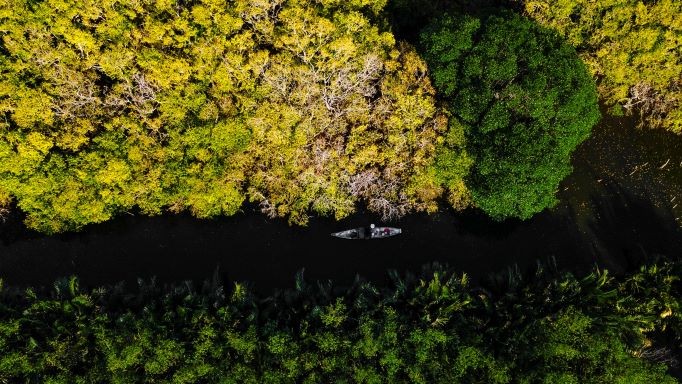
[628,230]
[476,222]
[13,229]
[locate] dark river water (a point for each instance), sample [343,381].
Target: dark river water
[618,209]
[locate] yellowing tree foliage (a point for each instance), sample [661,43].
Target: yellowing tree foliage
[633,47]
[298,105]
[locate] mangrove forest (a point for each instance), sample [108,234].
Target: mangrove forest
[525,154]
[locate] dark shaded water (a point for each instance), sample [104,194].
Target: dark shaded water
[608,215]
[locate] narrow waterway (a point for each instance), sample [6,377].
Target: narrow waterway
[621,206]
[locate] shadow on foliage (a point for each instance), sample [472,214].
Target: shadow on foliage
[407,18]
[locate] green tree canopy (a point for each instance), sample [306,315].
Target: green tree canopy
[297,105]
[525,100]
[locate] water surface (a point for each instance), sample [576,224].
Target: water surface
[618,208]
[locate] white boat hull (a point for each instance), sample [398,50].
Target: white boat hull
[370,233]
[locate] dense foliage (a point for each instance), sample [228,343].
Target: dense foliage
[298,105]
[310,105]
[544,328]
[525,100]
[634,48]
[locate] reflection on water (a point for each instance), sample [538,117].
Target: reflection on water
[621,205]
[645,163]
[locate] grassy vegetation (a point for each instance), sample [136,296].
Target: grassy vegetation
[436,327]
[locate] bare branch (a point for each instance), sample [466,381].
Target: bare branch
[649,102]
[361,183]
[76,94]
[659,355]
[138,94]
[4,212]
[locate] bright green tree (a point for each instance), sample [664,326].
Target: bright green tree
[525,100]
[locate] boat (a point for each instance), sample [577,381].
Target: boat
[373,232]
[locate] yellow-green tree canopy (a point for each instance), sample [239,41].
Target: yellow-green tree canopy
[298,105]
[633,47]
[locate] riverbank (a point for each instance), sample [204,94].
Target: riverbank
[617,209]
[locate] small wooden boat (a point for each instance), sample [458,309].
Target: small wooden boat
[373,232]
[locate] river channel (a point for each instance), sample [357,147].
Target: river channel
[621,206]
